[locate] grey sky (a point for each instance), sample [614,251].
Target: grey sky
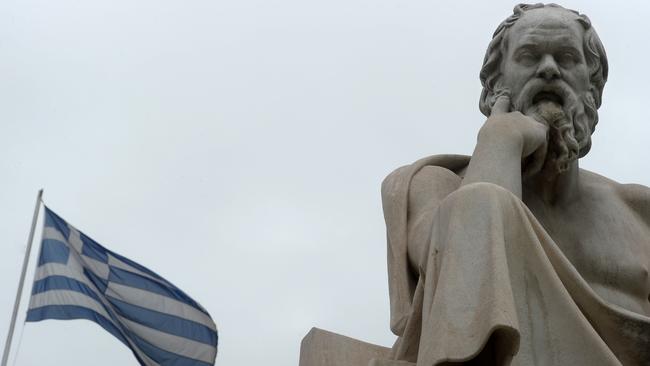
[237,148]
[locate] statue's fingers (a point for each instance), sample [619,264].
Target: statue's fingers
[501,106]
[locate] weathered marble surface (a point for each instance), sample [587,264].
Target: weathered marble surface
[514,255]
[494,287]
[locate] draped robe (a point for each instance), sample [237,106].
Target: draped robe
[493,288]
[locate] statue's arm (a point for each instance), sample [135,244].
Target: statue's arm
[496,159]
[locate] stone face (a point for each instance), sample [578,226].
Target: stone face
[323,348]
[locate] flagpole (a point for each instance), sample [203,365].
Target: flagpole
[5,355]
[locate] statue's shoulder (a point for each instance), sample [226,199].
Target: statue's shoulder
[635,196]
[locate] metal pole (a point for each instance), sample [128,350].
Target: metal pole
[5,355]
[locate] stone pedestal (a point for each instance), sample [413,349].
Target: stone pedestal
[384,362]
[323,348]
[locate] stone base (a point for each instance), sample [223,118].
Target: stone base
[385,362]
[323,348]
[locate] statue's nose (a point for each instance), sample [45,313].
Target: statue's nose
[548,68]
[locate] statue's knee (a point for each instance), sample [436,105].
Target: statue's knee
[478,194]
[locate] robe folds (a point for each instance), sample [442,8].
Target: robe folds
[493,288]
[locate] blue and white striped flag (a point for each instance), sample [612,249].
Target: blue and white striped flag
[77,278]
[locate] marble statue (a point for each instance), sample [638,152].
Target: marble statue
[515,255]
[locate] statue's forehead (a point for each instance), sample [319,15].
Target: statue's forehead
[547,24]
[547,17]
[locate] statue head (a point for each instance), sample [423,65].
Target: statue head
[551,63]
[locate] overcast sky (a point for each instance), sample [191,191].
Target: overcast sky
[237,148]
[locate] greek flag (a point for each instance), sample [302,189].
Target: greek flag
[77,278]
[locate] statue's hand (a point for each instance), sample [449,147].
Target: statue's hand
[505,128]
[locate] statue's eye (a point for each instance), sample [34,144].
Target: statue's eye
[526,58]
[567,59]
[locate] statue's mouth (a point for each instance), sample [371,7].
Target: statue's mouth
[548,96]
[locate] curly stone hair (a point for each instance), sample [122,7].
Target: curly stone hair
[491,71]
